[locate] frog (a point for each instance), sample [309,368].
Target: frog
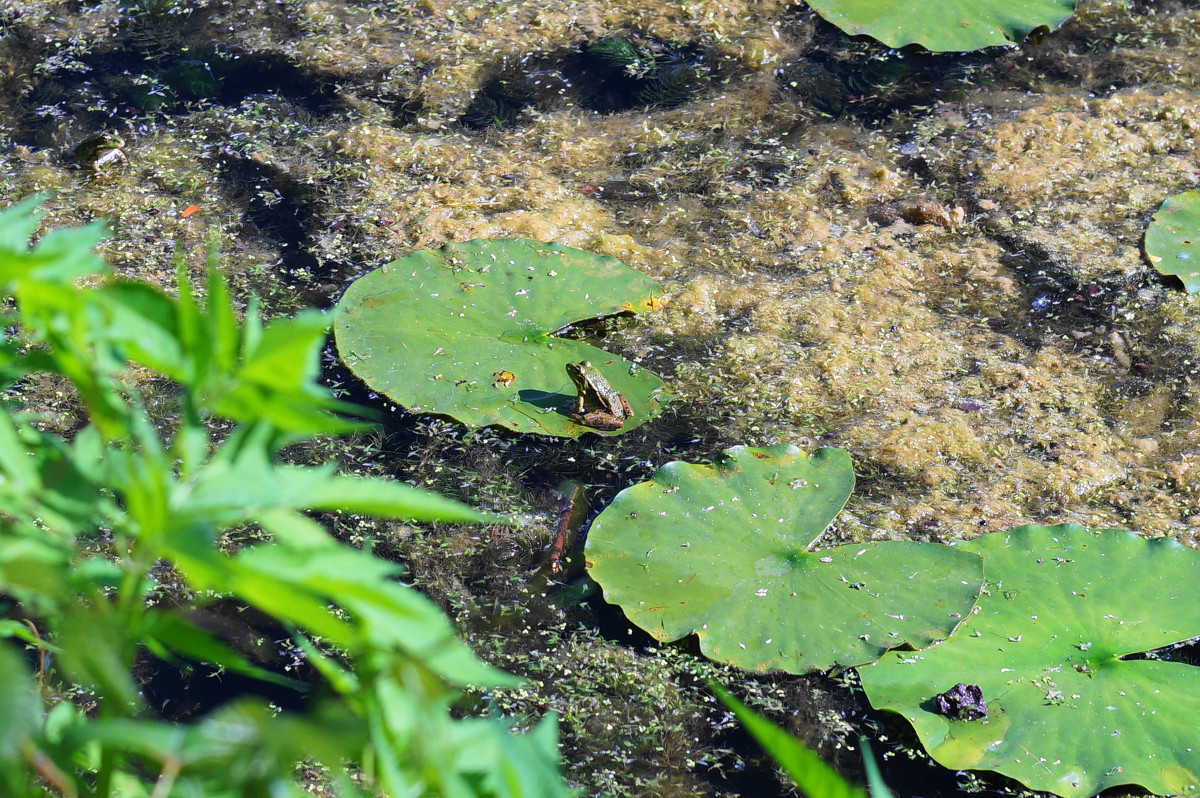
[598,405]
[100,151]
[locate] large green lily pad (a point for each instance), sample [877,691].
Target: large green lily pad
[1066,712]
[467,331]
[723,552]
[944,25]
[1173,239]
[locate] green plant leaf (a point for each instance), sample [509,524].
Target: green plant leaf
[20,706]
[94,644]
[944,25]
[144,323]
[169,632]
[237,492]
[878,788]
[245,374]
[394,661]
[466,331]
[508,765]
[1067,712]
[803,766]
[60,257]
[1173,239]
[723,552]
[389,615]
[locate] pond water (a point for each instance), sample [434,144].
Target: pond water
[932,261]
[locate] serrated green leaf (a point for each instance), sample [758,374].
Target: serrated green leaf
[724,552]
[1067,712]
[466,331]
[1173,239]
[944,25]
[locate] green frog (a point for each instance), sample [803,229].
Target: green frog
[100,151]
[598,404]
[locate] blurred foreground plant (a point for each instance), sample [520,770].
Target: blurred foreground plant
[802,765]
[85,522]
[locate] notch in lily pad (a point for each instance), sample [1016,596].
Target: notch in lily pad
[1173,239]
[469,331]
[726,552]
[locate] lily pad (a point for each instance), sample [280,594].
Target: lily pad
[468,331]
[944,25]
[722,551]
[1067,711]
[1173,239]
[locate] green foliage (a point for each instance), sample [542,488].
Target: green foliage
[802,765]
[1067,711]
[88,521]
[467,331]
[944,25]
[724,552]
[806,770]
[1173,239]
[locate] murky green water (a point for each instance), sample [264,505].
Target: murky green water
[1023,364]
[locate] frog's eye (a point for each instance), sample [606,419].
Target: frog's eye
[587,364]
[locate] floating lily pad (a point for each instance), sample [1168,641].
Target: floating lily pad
[1173,239]
[1067,712]
[722,551]
[468,331]
[944,25]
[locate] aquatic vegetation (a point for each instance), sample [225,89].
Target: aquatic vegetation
[1055,645]
[469,331]
[1043,679]
[98,528]
[649,73]
[944,25]
[725,552]
[1173,239]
